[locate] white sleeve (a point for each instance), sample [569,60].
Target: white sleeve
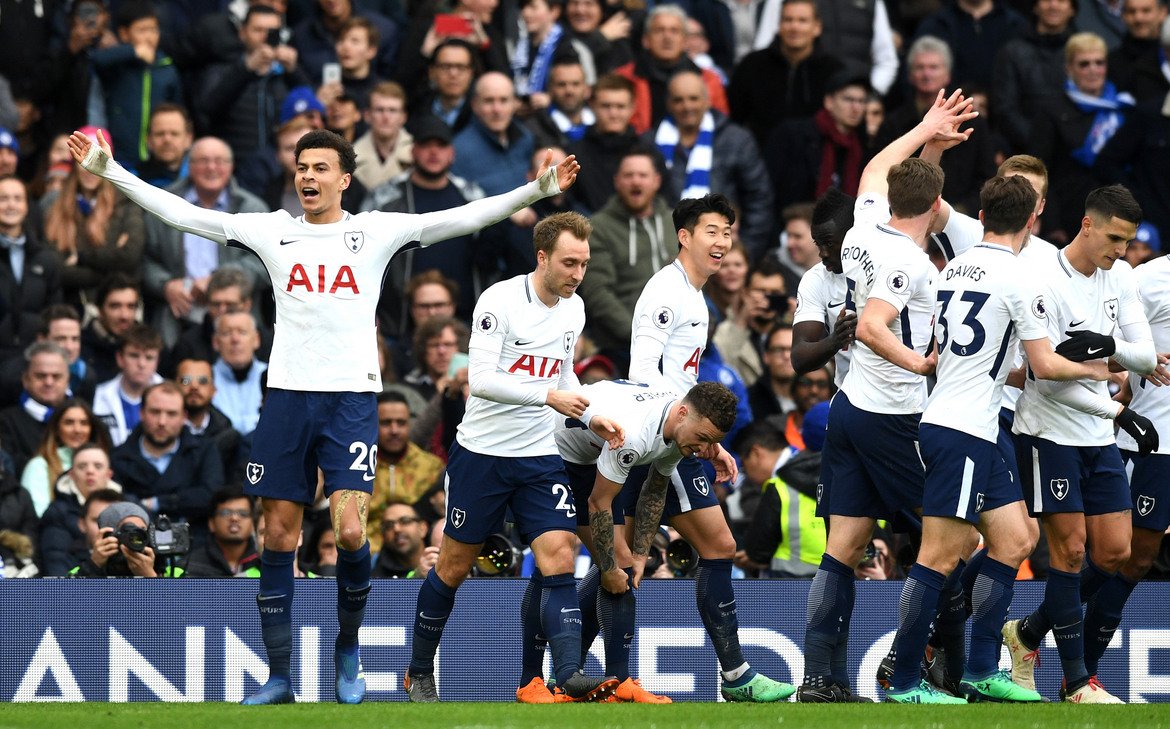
[1135,347]
[483,360]
[895,282]
[167,207]
[466,219]
[960,235]
[1026,306]
[810,302]
[882,51]
[645,355]
[1077,396]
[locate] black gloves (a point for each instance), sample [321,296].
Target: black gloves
[1084,346]
[1140,428]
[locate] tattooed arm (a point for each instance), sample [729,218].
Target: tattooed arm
[613,579]
[648,515]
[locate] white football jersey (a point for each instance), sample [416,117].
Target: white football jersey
[641,411]
[1153,280]
[533,345]
[671,314]
[961,234]
[881,262]
[326,280]
[821,298]
[1037,249]
[986,305]
[1104,302]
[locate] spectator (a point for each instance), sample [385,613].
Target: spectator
[1137,65]
[302,102]
[604,31]
[761,449]
[108,557]
[664,56]
[231,547]
[30,277]
[70,66]
[319,551]
[60,325]
[62,539]
[69,427]
[429,294]
[966,166]
[344,116]
[239,96]
[215,37]
[542,43]
[1145,246]
[567,115]
[229,290]
[405,472]
[798,251]
[403,554]
[479,34]
[356,48]
[135,77]
[166,467]
[279,190]
[117,401]
[17,514]
[740,340]
[168,141]
[178,265]
[9,153]
[771,395]
[118,300]
[452,68]
[1139,155]
[45,384]
[237,371]
[1073,129]
[786,80]
[197,381]
[974,30]
[705,151]
[95,229]
[436,343]
[384,151]
[1029,71]
[316,37]
[808,389]
[633,237]
[594,368]
[727,290]
[698,48]
[1102,17]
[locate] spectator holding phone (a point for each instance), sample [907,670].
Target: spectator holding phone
[470,22]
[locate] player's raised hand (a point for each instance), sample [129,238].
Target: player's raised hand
[566,172]
[945,117]
[567,403]
[613,433]
[79,146]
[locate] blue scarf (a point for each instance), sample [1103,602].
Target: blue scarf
[532,80]
[698,179]
[1109,108]
[572,132]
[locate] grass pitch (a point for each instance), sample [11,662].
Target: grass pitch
[587,716]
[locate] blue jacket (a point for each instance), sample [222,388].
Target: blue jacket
[132,88]
[480,158]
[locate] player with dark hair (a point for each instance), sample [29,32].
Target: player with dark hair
[323,375]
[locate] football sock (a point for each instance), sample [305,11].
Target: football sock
[561,619]
[971,573]
[716,602]
[353,588]
[1062,603]
[990,599]
[1092,577]
[533,642]
[951,622]
[617,625]
[1103,617]
[435,601]
[587,591]
[275,605]
[830,607]
[917,609]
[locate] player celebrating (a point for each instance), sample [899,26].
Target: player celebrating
[1070,466]
[504,455]
[985,302]
[327,268]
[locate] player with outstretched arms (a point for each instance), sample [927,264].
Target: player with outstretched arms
[327,269]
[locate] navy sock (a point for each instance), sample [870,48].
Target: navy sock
[991,598]
[1092,577]
[970,574]
[561,619]
[435,601]
[1103,617]
[533,641]
[587,590]
[353,588]
[1035,626]
[1062,603]
[951,622]
[275,604]
[830,606]
[716,601]
[916,612]
[617,623]
[839,663]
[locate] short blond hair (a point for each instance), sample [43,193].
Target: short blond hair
[1082,43]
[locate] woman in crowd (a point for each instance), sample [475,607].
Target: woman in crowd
[68,428]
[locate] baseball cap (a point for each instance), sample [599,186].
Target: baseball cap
[1148,234]
[299,100]
[8,141]
[114,514]
[92,133]
[429,127]
[815,425]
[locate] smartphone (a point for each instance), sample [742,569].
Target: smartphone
[273,37]
[458,362]
[447,24]
[331,73]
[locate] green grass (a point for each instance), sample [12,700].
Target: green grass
[563,716]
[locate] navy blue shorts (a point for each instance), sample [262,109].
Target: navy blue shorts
[581,480]
[966,475]
[823,485]
[300,432]
[481,488]
[689,489]
[875,469]
[1059,479]
[1149,488]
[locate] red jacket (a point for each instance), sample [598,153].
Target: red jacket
[643,112]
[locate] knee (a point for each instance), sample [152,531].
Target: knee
[719,547]
[557,556]
[1137,566]
[1068,554]
[350,537]
[1110,557]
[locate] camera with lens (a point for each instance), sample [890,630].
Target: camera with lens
[132,537]
[681,558]
[165,537]
[778,302]
[500,557]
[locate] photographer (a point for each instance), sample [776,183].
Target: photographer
[741,340]
[117,534]
[404,553]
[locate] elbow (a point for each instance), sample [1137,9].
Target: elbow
[867,332]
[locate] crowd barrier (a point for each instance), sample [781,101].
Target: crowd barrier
[199,640]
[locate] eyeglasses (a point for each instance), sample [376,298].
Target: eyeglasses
[779,350]
[209,161]
[228,513]
[452,67]
[188,380]
[1086,62]
[432,306]
[402,522]
[810,382]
